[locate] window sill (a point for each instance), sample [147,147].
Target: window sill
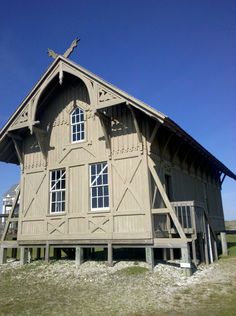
[78,142]
[99,211]
[56,214]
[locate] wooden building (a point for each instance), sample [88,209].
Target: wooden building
[99,167]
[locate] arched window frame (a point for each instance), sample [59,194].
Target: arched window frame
[77,125]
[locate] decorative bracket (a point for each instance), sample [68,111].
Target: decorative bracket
[139,134]
[106,129]
[15,138]
[40,136]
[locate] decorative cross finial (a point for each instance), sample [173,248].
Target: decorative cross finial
[67,53]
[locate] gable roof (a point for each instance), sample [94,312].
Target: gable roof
[61,65]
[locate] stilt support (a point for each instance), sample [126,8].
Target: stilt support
[215,249]
[57,253]
[3,255]
[38,254]
[164,251]
[14,253]
[194,252]
[23,256]
[186,261]
[110,255]
[79,256]
[206,253]
[150,256]
[224,244]
[47,253]
[29,254]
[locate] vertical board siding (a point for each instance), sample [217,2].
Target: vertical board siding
[121,173]
[123,133]
[129,224]
[35,195]
[78,190]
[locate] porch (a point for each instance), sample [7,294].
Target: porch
[195,224]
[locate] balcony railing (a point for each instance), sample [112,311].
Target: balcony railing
[190,214]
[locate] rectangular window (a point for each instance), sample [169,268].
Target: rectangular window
[57,190]
[77,125]
[99,191]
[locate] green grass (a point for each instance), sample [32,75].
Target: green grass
[230,224]
[231,241]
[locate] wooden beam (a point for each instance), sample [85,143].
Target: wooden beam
[135,123]
[17,148]
[165,199]
[9,219]
[40,136]
[222,180]
[160,211]
[108,103]
[176,150]
[154,132]
[185,157]
[14,136]
[166,145]
[103,119]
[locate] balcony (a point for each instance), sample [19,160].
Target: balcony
[190,214]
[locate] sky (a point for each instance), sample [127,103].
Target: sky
[176,55]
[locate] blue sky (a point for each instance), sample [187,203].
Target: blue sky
[176,55]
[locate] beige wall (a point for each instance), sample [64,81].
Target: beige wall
[129,213]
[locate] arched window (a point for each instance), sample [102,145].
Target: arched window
[77,125]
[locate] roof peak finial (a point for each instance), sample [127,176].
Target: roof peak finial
[67,53]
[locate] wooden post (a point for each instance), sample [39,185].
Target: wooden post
[186,261]
[194,252]
[79,256]
[14,253]
[216,251]
[209,242]
[47,252]
[29,254]
[38,254]
[93,253]
[150,256]
[201,241]
[109,254]
[164,251]
[206,249]
[23,255]
[224,244]
[57,253]
[3,255]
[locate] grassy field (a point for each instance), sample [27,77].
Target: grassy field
[59,288]
[230,224]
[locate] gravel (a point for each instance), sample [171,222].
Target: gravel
[165,289]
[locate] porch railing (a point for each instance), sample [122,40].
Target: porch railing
[190,215]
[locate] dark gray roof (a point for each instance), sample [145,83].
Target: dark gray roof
[11,192]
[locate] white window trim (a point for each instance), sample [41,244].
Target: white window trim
[51,191]
[100,209]
[77,123]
